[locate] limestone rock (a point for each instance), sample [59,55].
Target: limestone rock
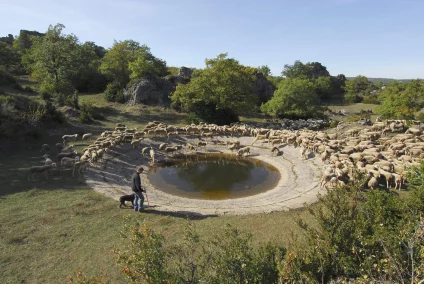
[263,88]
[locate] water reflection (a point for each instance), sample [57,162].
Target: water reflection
[214,176]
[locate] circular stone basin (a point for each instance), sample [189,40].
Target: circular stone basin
[214,177]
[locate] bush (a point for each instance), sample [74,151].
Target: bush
[192,118]
[373,99]
[333,124]
[209,114]
[88,114]
[114,94]
[28,89]
[45,96]
[60,99]
[6,79]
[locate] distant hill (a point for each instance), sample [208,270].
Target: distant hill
[383,80]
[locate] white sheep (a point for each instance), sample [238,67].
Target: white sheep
[152,154]
[244,150]
[87,136]
[67,138]
[80,165]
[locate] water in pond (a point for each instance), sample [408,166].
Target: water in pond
[214,177]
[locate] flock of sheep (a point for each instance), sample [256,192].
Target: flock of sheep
[383,151]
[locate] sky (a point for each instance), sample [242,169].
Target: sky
[374,38]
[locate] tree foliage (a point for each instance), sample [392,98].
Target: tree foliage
[294,98]
[401,100]
[264,69]
[224,85]
[57,60]
[129,60]
[357,89]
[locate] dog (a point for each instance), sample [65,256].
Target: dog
[123,198]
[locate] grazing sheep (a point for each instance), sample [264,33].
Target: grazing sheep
[372,182]
[303,154]
[136,142]
[68,149]
[41,169]
[145,150]
[45,148]
[388,176]
[171,149]
[244,150]
[275,150]
[67,138]
[48,160]
[60,156]
[201,144]
[163,146]
[87,136]
[81,166]
[68,162]
[190,146]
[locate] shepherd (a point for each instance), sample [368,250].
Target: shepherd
[138,190]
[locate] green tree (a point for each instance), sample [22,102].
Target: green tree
[324,88]
[130,59]
[401,100]
[9,58]
[146,65]
[297,70]
[357,89]
[294,98]
[56,60]
[224,87]
[264,69]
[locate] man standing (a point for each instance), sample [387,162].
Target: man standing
[138,190]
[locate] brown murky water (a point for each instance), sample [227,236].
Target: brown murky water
[214,177]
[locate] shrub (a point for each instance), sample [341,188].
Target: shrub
[113,93]
[209,114]
[373,99]
[89,113]
[192,118]
[45,96]
[28,89]
[60,99]
[6,79]
[333,124]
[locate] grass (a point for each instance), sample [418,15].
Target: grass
[51,228]
[354,108]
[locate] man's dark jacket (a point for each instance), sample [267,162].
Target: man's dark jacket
[136,183]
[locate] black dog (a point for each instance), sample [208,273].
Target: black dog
[123,198]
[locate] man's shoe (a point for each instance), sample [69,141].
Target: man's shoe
[141,210]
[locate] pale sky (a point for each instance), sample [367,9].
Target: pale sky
[374,38]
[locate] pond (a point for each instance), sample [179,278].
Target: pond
[214,177]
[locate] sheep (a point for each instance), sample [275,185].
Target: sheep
[80,165]
[201,144]
[136,142]
[190,146]
[326,177]
[120,125]
[303,154]
[387,176]
[372,182]
[162,146]
[68,149]
[48,160]
[232,147]
[63,155]
[87,136]
[398,179]
[67,138]
[171,149]
[145,150]
[275,150]
[242,151]
[41,169]
[152,154]
[59,147]
[45,148]
[68,162]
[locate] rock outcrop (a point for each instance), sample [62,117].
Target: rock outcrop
[263,88]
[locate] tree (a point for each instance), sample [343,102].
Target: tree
[146,65]
[357,89]
[324,88]
[128,59]
[8,56]
[294,98]
[223,87]
[56,60]
[264,69]
[297,70]
[401,101]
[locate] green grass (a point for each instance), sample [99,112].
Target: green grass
[354,108]
[51,228]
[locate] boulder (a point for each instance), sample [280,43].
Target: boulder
[149,92]
[263,88]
